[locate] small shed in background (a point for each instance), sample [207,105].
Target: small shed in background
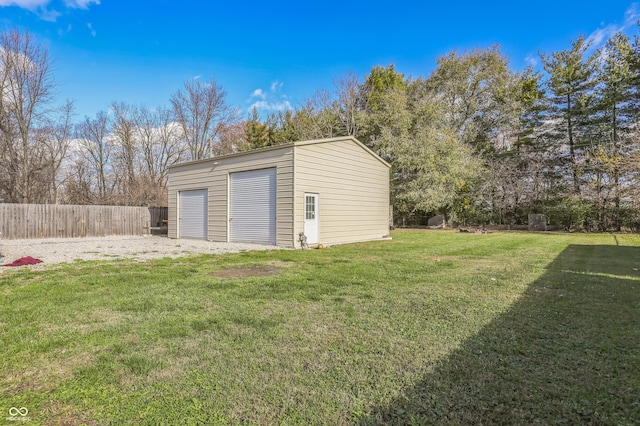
[537,222]
[333,190]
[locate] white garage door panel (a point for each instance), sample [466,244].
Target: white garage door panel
[193,214]
[252,212]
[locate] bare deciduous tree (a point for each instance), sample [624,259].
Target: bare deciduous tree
[97,151]
[348,103]
[125,147]
[232,139]
[56,146]
[202,112]
[160,147]
[26,92]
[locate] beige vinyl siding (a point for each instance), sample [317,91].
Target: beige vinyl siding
[353,188]
[213,174]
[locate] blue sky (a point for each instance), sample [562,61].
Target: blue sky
[278,53]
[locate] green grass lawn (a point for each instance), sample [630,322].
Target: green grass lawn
[429,328]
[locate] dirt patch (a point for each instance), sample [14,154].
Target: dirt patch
[57,412]
[253,271]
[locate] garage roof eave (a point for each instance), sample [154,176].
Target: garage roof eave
[283,146]
[238,154]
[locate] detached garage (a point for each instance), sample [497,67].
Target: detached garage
[332,190]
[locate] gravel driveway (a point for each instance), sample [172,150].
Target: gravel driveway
[58,250]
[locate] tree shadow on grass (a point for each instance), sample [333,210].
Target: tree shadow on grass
[568,352]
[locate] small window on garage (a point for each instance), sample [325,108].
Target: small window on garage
[310,207]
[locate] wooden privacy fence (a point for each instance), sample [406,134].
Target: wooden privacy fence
[158,215]
[64,221]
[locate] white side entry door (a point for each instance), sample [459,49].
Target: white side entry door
[311,230]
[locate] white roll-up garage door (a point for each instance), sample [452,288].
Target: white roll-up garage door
[193,214]
[252,210]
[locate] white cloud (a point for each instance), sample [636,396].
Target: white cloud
[601,35]
[64,31]
[531,59]
[47,15]
[41,7]
[631,13]
[25,4]
[276,86]
[271,106]
[90,26]
[269,100]
[38,7]
[80,4]
[258,93]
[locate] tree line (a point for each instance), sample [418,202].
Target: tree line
[119,157]
[481,143]
[474,140]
